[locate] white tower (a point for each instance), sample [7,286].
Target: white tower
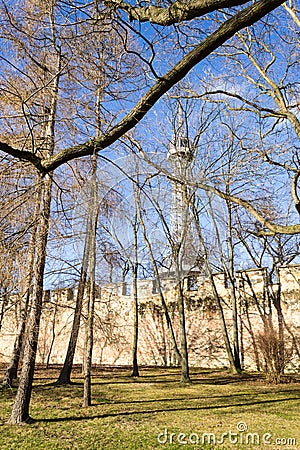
[181,155]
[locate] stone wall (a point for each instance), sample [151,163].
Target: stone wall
[114,319]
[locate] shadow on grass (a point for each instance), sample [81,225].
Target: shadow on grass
[121,374]
[218,380]
[164,410]
[182,399]
[67,390]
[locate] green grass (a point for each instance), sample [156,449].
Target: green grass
[130,413]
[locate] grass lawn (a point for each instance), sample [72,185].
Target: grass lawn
[156,412]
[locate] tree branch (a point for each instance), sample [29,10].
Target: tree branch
[254,105]
[178,11]
[22,155]
[274,228]
[292,13]
[242,19]
[295,191]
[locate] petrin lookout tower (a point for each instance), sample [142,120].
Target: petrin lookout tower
[181,156]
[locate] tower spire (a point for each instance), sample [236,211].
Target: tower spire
[180,155]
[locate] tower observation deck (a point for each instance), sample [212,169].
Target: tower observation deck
[181,156]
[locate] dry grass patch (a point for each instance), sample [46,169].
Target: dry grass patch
[130,413]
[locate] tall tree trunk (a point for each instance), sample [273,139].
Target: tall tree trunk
[135,367]
[185,371]
[93,211]
[65,373]
[216,295]
[235,331]
[176,351]
[223,326]
[252,335]
[12,369]
[87,400]
[53,320]
[88,347]
[4,298]
[233,296]
[134,268]
[20,411]
[280,321]
[233,354]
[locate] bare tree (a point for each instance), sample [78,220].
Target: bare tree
[234,368]
[239,20]
[91,282]
[47,155]
[45,145]
[262,86]
[275,251]
[176,238]
[11,371]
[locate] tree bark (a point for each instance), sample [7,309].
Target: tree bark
[12,369]
[20,411]
[228,348]
[185,371]
[233,295]
[65,373]
[93,211]
[4,298]
[178,11]
[87,398]
[134,268]
[135,367]
[53,320]
[280,321]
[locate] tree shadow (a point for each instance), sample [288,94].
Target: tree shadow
[164,410]
[182,399]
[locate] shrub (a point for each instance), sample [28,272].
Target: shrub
[276,353]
